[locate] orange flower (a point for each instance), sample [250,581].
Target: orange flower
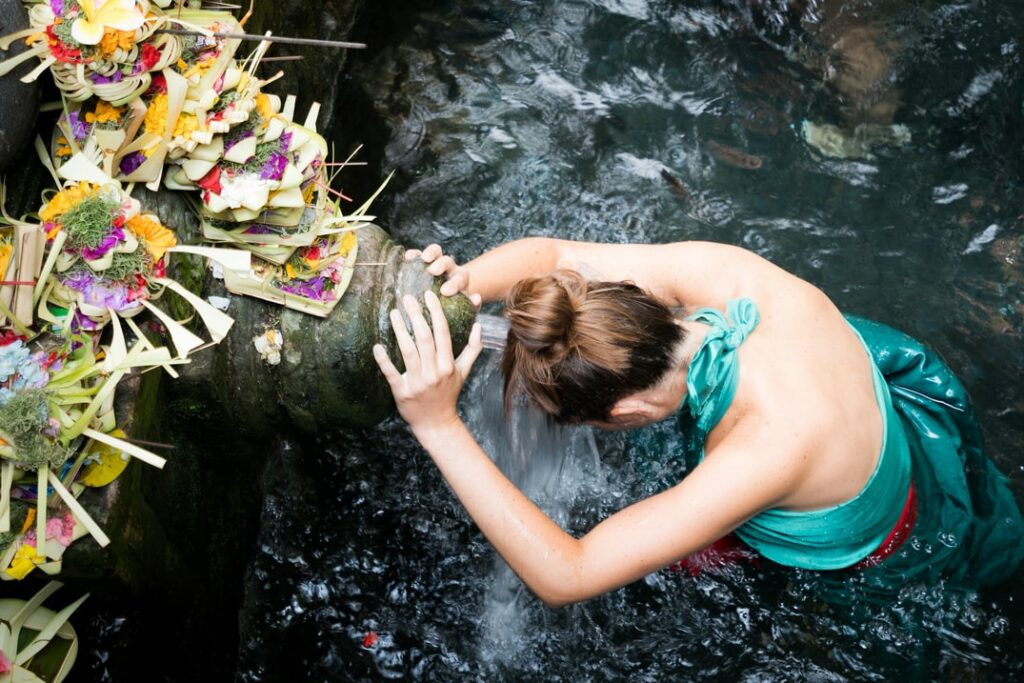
[63,201]
[113,40]
[158,238]
[103,113]
[5,258]
[156,115]
[263,107]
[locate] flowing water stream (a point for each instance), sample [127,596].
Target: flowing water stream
[653,121]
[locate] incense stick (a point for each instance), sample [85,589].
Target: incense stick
[319,42]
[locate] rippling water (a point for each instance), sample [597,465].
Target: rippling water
[647,120]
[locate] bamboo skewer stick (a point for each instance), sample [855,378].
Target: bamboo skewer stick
[318,42]
[332,191]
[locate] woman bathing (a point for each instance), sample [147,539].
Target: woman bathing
[822,442]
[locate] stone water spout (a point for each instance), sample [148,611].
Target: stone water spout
[323,375]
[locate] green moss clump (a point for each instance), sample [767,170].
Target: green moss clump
[24,417]
[19,511]
[124,266]
[88,222]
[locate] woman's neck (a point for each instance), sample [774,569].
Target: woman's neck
[670,393]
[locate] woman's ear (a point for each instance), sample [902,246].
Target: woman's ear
[629,408]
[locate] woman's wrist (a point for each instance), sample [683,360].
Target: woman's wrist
[438,432]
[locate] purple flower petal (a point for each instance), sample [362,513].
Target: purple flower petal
[79,128]
[131,162]
[274,167]
[115,237]
[231,142]
[116,78]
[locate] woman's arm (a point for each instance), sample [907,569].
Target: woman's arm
[728,488]
[676,273]
[714,499]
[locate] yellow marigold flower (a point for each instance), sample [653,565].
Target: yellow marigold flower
[36,37]
[114,40]
[5,259]
[307,194]
[263,106]
[200,68]
[156,115]
[158,238]
[64,151]
[186,125]
[62,202]
[25,560]
[104,112]
[289,271]
[182,65]
[347,242]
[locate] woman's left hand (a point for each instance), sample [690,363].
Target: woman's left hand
[427,391]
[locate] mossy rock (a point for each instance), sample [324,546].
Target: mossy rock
[327,378]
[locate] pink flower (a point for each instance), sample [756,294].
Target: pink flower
[5,664]
[61,529]
[58,529]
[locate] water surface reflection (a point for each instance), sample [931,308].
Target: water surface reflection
[648,120]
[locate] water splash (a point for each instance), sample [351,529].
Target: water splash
[494,329]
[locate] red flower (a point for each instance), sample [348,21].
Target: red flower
[157,85]
[211,181]
[150,56]
[51,359]
[61,51]
[370,639]
[160,268]
[8,337]
[119,222]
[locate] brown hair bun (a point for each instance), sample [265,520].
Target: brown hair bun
[577,346]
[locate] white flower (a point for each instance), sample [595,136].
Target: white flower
[100,15]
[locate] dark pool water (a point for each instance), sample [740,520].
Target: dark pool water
[514,118]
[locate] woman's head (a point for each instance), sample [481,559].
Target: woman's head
[576,347]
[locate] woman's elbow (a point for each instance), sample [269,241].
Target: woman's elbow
[561,593]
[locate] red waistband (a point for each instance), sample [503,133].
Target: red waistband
[730,549]
[896,537]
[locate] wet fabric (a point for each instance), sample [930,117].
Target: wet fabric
[828,538]
[969,528]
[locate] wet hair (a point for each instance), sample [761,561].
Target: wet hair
[576,346]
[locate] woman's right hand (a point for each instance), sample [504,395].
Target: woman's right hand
[441,264]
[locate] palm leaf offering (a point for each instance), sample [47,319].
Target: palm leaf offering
[37,645]
[163,99]
[103,48]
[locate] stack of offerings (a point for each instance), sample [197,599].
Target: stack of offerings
[69,283]
[264,187]
[188,100]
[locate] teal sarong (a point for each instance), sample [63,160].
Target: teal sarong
[968,528]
